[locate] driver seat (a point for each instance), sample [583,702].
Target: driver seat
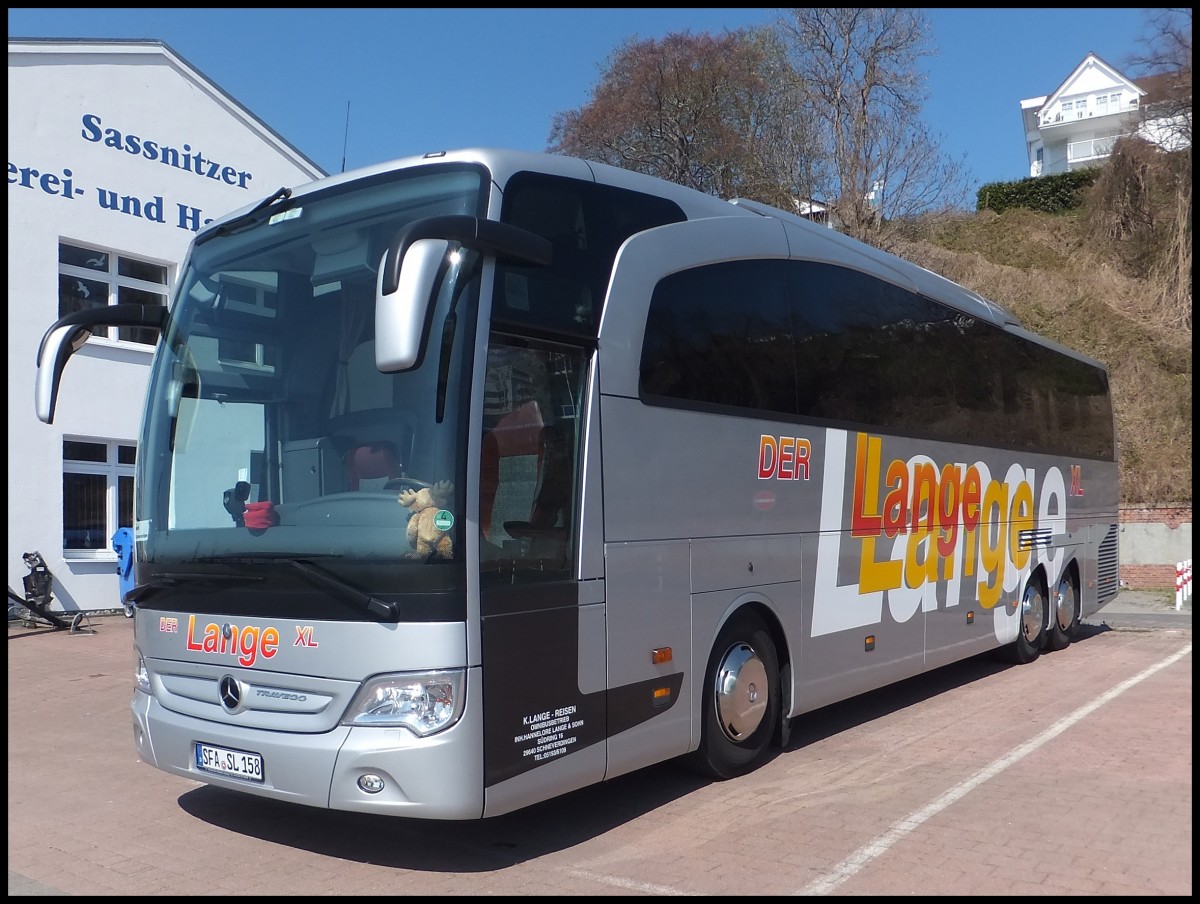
[373,464]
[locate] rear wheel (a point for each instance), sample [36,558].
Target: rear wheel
[741,699]
[1031,629]
[1064,619]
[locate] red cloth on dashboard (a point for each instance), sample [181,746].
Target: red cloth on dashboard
[261,515]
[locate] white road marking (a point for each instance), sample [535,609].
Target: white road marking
[865,854]
[628,884]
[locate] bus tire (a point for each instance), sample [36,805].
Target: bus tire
[740,699]
[1064,615]
[1031,626]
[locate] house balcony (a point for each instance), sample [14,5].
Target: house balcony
[1080,119]
[1093,150]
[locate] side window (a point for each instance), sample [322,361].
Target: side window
[803,339]
[530,459]
[870,352]
[90,278]
[723,335]
[97,494]
[585,224]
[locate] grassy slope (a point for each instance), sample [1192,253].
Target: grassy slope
[1040,268]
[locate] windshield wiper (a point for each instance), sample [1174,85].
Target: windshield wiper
[281,194]
[176,578]
[341,590]
[385,609]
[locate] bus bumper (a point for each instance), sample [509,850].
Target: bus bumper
[438,777]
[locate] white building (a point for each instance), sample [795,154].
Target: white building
[1077,124]
[118,151]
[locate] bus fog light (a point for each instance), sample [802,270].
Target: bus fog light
[422,702]
[371,783]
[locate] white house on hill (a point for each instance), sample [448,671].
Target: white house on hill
[1076,125]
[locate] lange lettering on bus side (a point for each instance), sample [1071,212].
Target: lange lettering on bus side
[917,523]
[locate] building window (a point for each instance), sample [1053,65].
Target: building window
[259,298]
[97,495]
[1067,106]
[1102,104]
[92,278]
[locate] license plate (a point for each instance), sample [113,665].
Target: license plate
[223,761]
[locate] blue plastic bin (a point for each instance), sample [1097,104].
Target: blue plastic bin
[122,543]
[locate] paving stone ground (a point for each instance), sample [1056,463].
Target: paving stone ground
[1068,776]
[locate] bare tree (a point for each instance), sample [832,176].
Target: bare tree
[860,67]
[716,113]
[1167,55]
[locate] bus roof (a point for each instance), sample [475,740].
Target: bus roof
[503,163]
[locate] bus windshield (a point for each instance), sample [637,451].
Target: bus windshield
[269,431]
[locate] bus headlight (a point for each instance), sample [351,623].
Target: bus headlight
[422,702]
[141,675]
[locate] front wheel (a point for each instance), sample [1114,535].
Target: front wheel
[740,699]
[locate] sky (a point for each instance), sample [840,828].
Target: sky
[355,87]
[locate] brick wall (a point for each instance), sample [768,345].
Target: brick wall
[1148,577]
[1154,568]
[1172,516]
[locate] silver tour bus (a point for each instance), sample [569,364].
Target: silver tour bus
[471,479]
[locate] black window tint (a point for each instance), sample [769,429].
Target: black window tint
[817,341]
[872,353]
[723,335]
[585,224]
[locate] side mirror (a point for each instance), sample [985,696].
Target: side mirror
[67,336]
[413,267]
[401,315]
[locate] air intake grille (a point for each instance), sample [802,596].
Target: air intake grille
[1108,566]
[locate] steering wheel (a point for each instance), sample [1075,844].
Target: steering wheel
[406,483]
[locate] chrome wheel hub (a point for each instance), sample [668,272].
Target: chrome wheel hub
[741,692]
[1033,614]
